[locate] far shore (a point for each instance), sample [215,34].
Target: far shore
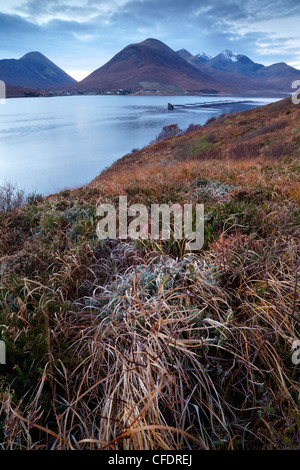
[19,93]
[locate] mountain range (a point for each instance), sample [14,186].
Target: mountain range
[277,77]
[152,66]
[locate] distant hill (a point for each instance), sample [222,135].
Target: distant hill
[34,70]
[279,75]
[276,77]
[149,65]
[20,92]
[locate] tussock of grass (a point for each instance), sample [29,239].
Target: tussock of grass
[140,344]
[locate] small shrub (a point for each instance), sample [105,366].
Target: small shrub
[11,197]
[168,131]
[280,149]
[34,199]
[245,150]
[193,127]
[210,121]
[211,138]
[222,118]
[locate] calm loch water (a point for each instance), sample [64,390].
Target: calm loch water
[49,144]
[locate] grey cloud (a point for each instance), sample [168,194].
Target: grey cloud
[90,32]
[83,10]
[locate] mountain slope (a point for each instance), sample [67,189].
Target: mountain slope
[21,92]
[33,70]
[279,75]
[186,55]
[149,65]
[262,133]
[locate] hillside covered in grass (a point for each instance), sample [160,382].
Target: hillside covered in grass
[141,344]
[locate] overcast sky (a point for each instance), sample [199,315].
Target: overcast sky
[81,35]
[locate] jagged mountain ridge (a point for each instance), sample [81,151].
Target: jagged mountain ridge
[278,76]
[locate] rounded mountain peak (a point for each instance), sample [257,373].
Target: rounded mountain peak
[154,44]
[33,55]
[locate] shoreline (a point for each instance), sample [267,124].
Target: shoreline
[51,94]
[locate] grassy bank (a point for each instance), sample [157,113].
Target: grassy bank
[141,344]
